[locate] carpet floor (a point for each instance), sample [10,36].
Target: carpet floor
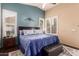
[67,51]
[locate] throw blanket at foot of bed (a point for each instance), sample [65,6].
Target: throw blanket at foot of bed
[33,44]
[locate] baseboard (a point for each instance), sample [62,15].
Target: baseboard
[70,46]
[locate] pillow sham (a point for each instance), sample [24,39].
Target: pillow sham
[38,32]
[21,32]
[27,32]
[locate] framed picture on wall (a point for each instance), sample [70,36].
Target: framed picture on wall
[47,25]
[54,25]
[41,24]
[51,25]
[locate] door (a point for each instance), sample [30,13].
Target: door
[0,25]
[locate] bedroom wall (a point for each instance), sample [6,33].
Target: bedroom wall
[68,16]
[25,11]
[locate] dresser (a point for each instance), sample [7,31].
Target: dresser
[9,42]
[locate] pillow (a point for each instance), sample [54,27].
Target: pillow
[21,32]
[38,32]
[27,32]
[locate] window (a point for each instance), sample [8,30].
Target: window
[51,25]
[9,23]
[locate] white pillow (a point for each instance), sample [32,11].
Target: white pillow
[38,32]
[20,32]
[27,32]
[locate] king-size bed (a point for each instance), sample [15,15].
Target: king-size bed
[32,44]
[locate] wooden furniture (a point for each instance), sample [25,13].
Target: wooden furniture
[9,42]
[9,27]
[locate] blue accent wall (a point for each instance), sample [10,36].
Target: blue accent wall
[25,11]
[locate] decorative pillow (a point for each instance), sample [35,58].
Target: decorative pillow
[27,32]
[30,32]
[21,32]
[38,32]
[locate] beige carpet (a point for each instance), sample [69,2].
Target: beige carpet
[16,53]
[72,51]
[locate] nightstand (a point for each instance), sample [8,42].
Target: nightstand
[9,42]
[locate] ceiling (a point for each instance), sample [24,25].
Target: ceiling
[43,6]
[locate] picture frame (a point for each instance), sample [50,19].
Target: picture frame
[41,24]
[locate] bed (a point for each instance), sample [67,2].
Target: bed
[32,44]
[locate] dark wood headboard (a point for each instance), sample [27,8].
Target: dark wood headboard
[27,28]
